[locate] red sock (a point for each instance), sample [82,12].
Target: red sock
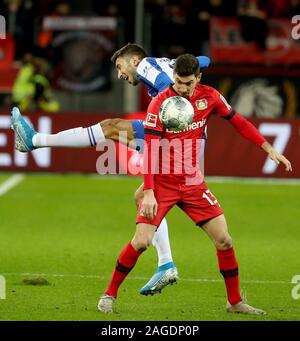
[126,261]
[229,269]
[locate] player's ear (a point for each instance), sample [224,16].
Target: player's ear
[135,60]
[199,77]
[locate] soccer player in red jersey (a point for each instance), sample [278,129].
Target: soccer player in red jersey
[186,189]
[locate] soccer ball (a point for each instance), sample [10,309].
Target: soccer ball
[176,113]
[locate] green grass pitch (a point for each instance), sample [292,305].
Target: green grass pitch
[71,229]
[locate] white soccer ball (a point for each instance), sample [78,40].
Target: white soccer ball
[176,113]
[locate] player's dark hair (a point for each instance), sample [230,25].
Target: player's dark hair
[186,65]
[129,50]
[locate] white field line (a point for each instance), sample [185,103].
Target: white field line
[250,281]
[256,181]
[209,179]
[10,183]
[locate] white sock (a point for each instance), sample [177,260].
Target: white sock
[77,137]
[162,244]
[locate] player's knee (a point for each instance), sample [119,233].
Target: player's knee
[141,243]
[224,242]
[143,247]
[110,127]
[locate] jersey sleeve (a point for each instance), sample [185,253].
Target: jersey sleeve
[203,61]
[246,129]
[240,123]
[153,132]
[221,106]
[151,74]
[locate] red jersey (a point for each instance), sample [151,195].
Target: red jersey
[178,155]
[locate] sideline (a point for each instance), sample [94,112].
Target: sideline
[137,278]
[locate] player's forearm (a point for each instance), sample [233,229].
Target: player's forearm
[266,147]
[247,129]
[148,193]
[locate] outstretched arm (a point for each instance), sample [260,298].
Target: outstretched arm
[149,203]
[249,131]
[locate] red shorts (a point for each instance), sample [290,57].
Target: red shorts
[195,200]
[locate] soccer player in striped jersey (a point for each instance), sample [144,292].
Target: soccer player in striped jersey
[134,66]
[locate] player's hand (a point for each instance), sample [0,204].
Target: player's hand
[276,157]
[149,205]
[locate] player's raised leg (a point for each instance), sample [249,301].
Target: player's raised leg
[27,139]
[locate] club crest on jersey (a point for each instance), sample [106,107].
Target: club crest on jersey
[151,120]
[201,104]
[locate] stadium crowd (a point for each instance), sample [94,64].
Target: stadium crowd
[176,18]
[185,25]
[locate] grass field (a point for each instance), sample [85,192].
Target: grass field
[71,229]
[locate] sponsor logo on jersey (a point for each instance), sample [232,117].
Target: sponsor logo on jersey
[201,104]
[192,126]
[151,120]
[146,70]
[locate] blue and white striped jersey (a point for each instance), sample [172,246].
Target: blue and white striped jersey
[157,73]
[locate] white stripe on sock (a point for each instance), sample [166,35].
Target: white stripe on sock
[76,137]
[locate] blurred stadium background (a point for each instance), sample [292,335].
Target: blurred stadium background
[70,227]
